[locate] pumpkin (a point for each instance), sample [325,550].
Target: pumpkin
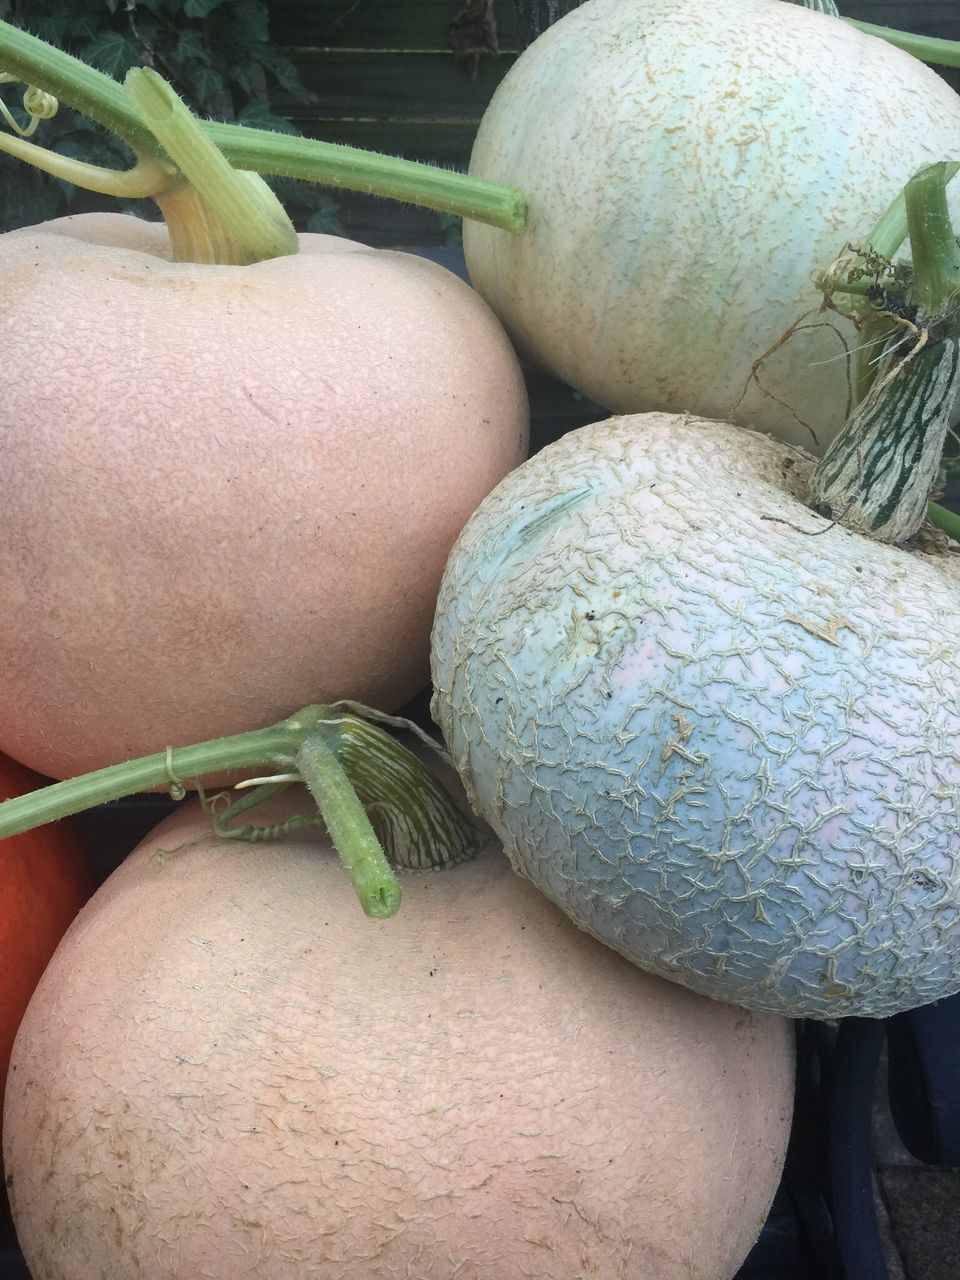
[689,169]
[712,725]
[228,1071]
[228,490]
[45,878]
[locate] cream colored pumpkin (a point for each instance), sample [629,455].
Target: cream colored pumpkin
[689,165]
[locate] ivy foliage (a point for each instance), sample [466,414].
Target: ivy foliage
[216,53]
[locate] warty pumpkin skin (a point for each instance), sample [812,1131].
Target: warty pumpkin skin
[716,729]
[688,168]
[228,491]
[229,1072]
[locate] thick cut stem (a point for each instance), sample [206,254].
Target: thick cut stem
[350,829]
[230,217]
[878,474]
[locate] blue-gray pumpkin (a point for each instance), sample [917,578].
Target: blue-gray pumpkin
[718,731]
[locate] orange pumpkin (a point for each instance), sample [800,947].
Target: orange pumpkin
[45,878]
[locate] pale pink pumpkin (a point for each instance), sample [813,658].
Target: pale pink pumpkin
[229,1072]
[228,491]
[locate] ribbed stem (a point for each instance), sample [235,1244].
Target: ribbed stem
[413,815]
[102,100]
[349,827]
[821,6]
[368,787]
[228,216]
[878,473]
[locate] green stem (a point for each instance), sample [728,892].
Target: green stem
[934,252]
[103,100]
[893,227]
[942,53]
[944,519]
[148,177]
[852,276]
[878,473]
[945,53]
[350,168]
[368,786]
[241,220]
[886,240]
[275,746]
[81,87]
[350,829]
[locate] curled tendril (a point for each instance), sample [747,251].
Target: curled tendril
[38,105]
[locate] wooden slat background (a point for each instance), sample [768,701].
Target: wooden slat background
[385,77]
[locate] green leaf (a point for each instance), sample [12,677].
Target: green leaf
[259,116]
[250,24]
[326,217]
[112,53]
[242,77]
[451,229]
[205,83]
[200,8]
[190,46]
[285,73]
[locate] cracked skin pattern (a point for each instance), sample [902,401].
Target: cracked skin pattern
[228,1073]
[628,282]
[724,746]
